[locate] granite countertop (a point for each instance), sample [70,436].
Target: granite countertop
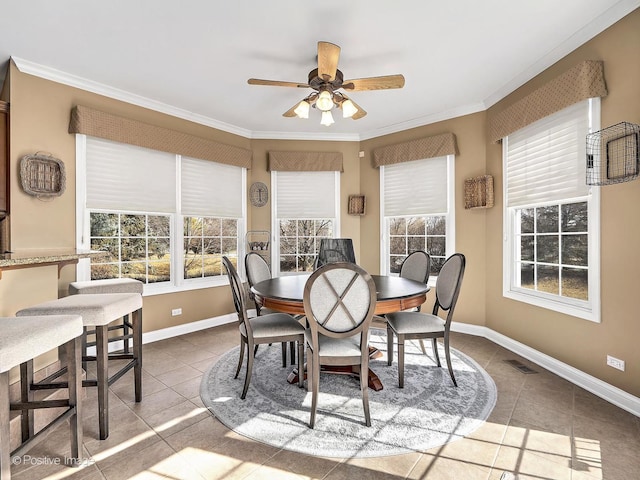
[26,258]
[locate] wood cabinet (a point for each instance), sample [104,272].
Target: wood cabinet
[4,152]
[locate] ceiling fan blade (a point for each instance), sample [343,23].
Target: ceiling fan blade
[276,83]
[290,112]
[374,83]
[328,55]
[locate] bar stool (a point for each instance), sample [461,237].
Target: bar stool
[98,310]
[109,285]
[22,340]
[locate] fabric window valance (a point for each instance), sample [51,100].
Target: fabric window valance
[427,147]
[585,80]
[305,162]
[95,123]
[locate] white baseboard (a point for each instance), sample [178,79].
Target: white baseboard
[608,392]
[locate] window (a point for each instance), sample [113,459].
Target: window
[417,211]
[161,218]
[305,210]
[551,254]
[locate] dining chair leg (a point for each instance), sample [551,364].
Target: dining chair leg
[247,377]
[292,351]
[315,386]
[241,357]
[26,395]
[300,363]
[74,354]
[448,356]
[434,342]
[401,361]
[422,347]
[389,345]
[364,388]
[102,375]
[284,354]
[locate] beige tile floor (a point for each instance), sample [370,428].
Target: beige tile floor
[542,427]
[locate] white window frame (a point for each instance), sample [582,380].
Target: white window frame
[585,309]
[275,220]
[413,183]
[177,283]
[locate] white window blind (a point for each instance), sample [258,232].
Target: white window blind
[211,189]
[118,173]
[546,160]
[416,188]
[306,195]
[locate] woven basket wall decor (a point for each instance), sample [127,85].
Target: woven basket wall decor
[478,192]
[42,175]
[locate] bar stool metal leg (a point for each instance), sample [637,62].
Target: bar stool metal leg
[74,357]
[26,395]
[102,356]
[137,352]
[5,434]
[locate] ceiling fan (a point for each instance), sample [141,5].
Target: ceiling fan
[326,80]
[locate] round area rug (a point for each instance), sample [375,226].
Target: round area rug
[429,411]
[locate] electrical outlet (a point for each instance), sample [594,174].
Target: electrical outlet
[615,362]
[176,311]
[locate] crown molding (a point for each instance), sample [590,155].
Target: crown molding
[327,137]
[586,33]
[426,120]
[58,76]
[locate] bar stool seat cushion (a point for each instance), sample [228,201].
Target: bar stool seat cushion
[109,285]
[27,337]
[97,309]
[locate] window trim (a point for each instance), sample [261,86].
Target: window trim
[450,216]
[177,283]
[275,237]
[584,309]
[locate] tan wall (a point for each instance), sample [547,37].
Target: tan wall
[581,343]
[470,224]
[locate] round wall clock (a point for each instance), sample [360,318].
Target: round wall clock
[258,194]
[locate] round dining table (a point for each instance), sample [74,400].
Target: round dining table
[285,294]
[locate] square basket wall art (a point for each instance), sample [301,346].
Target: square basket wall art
[478,192]
[613,154]
[42,175]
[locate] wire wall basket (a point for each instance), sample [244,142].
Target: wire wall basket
[613,154]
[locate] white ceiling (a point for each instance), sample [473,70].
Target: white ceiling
[192,58]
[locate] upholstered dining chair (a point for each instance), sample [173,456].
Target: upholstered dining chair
[339,301]
[257,270]
[269,328]
[419,325]
[416,266]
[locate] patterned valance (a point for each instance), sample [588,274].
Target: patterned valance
[305,162]
[427,147]
[95,123]
[585,80]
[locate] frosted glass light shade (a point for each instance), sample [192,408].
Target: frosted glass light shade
[327,118]
[348,109]
[302,110]
[324,101]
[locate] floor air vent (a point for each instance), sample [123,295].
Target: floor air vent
[521,367]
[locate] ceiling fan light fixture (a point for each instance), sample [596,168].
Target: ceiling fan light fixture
[348,109]
[302,110]
[327,118]
[324,101]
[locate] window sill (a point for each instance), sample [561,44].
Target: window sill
[550,303]
[157,289]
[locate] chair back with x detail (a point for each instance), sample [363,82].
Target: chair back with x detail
[270,328]
[419,325]
[339,302]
